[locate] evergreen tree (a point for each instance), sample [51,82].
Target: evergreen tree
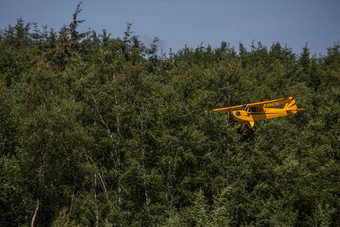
[103,131]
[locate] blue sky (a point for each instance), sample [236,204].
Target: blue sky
[192,22]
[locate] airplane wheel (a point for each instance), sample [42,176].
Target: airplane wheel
[239,131]
[253,129]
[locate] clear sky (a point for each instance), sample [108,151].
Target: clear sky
[180,22]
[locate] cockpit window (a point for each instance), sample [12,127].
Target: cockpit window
[244,107]
[256,109]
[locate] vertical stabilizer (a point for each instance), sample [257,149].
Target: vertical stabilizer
[291,105]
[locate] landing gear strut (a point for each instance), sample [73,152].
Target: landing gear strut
[240,130]
[251,126]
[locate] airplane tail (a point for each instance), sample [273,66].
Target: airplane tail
[292,107]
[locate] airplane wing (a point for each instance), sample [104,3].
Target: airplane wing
[270,103]
[227,109]
[265,104]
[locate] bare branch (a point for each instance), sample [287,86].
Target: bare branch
[35,212]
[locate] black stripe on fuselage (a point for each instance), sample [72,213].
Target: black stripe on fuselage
[256,113]
[260,113]
[293,105]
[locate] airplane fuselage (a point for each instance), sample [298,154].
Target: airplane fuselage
[267,113]
[250,113]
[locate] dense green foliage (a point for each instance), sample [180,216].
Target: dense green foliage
[101,131]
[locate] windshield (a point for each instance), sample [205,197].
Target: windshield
[244,107]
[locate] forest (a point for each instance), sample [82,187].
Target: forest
[97,130]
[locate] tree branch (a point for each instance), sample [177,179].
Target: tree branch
[35,212]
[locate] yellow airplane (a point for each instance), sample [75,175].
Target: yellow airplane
[249,113]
